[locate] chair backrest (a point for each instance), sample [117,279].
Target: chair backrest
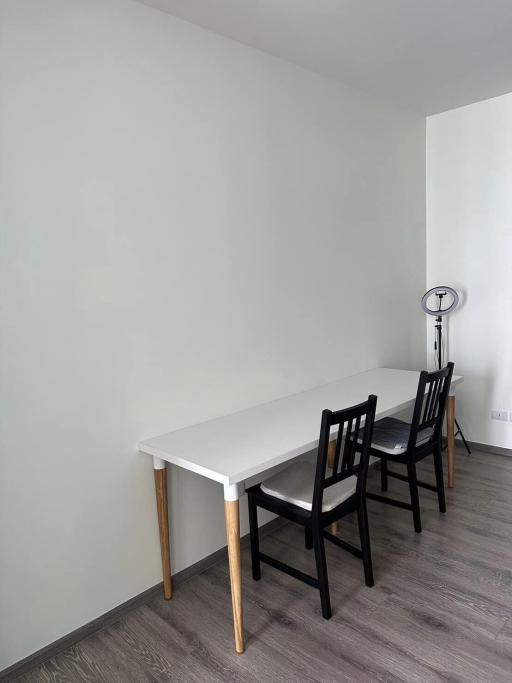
[430,405]
[351,429]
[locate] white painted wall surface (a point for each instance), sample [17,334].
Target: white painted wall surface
[469,238]
[189,227]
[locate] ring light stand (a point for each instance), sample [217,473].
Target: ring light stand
[443,308]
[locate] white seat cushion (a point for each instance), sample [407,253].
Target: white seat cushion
[391,435]
[295,485]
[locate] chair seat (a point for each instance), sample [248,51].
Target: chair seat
[391,435]
[295,485]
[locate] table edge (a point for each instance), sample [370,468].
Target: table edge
[241,476]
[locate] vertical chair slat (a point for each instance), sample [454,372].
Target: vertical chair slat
[426,407]
[345,442]
[339,441]
[354,442]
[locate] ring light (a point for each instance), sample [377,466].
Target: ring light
[440,292]
[443,308]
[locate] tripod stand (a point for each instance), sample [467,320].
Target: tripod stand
[438,347]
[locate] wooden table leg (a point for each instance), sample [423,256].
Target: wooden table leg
[330,462]
[231,509]
[163,523]
[450,437]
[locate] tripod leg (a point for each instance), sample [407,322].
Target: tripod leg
[450,434]
[459,431]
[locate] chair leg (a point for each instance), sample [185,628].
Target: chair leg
[415,499]
[308,538]
[321,568]
[364,536]
[438,464]
[383,474]
[255,540]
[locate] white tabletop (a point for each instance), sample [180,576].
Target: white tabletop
[233,448]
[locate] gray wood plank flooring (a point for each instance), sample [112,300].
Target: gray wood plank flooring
[441,608]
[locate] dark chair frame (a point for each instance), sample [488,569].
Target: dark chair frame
[429,411]
[349,423]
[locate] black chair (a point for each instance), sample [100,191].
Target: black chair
[315,496]
[397,441]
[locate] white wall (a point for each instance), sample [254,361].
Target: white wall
[469,238]
[189,227]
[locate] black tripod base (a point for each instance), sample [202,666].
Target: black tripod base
[459,431]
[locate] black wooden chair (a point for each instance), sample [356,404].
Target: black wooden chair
[397,441]
[315,495]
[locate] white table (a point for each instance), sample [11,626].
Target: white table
[247,444]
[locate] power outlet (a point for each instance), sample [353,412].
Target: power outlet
[499,415]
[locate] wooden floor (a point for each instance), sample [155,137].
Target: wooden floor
[441,607]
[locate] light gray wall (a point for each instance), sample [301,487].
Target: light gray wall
[189,227]
[469,236]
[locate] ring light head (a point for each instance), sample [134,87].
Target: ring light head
[443,307]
